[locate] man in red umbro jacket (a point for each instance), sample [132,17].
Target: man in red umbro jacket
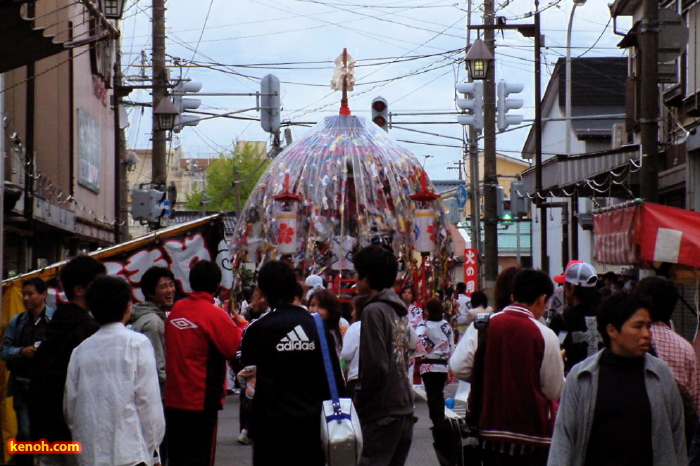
[199,338]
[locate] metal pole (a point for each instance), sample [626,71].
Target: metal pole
[490,179]
[159,174]
[649,108]
[2,177]
[544,259]
[568,80]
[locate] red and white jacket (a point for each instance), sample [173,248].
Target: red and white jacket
[199,338]
[523,374]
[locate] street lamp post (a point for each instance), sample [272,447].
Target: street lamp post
[574,201]
[567,110]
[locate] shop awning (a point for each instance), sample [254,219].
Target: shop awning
[647,233]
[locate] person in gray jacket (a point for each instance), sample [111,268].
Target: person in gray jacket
[384,396]
[148,316]
[620,405]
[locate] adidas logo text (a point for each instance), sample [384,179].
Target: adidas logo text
[296,340]
[296,346]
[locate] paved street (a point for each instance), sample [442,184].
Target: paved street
[229,452]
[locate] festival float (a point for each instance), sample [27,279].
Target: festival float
[346,185]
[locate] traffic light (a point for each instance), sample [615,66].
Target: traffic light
[506,218]
[519,202]
[270,104]
[182,104]
[380,113]
[475,104]
[500,199]
[148,204]
[503,89]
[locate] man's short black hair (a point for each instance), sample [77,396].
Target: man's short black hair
[205,276]
[80,271]
[107,299]
[37,282]
[378,265]
[616,310]
[479,298]
[662,295]
[433,307]
[150,279]
[461,288]
[530,284]
[278,283]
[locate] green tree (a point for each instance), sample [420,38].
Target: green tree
[229,178]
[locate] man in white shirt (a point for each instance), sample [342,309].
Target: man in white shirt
[112,397]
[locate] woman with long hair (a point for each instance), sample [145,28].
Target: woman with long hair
[327,305]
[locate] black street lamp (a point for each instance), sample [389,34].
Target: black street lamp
[165,114]
[113,9]
[478,59]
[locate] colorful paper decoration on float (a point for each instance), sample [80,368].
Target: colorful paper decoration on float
[354,184]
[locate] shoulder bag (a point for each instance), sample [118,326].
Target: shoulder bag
[341,433]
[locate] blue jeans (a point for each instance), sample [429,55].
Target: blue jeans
[21,406]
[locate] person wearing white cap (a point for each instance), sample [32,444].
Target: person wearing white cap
[579,330]
[313,283]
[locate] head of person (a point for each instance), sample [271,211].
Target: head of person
[408,295]
[533,288]
[34,292]
[461,288]
[326,304]
[479,299]
[109,299]
[503,289]
[358,305]
[433,309]
[609,278]
[662,295]
[78,273]
[158,286]
[298,294]
[580,280]
[312,284]
[277,282]
[376,269]
[624,323]
[205,276]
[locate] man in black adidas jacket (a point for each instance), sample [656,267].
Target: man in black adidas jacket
[291,380]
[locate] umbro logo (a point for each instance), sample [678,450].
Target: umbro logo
[296,340]
[183,324]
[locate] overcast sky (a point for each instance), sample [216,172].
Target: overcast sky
[409,52]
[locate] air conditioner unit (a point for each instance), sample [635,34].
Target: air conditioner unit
[619,138]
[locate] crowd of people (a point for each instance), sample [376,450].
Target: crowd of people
[599,378]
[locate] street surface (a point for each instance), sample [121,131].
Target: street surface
[229,452]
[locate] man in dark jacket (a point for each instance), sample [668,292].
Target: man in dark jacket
[384,397]
[291,381]
[70,325]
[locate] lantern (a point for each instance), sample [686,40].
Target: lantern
[424,218]
[286,214]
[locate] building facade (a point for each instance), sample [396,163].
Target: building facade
[60,171]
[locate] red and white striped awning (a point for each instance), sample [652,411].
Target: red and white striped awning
[614,236]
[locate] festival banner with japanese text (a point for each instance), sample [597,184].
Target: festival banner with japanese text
[471,270]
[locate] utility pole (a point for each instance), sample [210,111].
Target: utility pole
[544,258]
[121,208]
[160,81]
[649,108]
[490,179]
[460,163]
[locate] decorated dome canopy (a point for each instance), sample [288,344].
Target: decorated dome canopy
[346,185]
